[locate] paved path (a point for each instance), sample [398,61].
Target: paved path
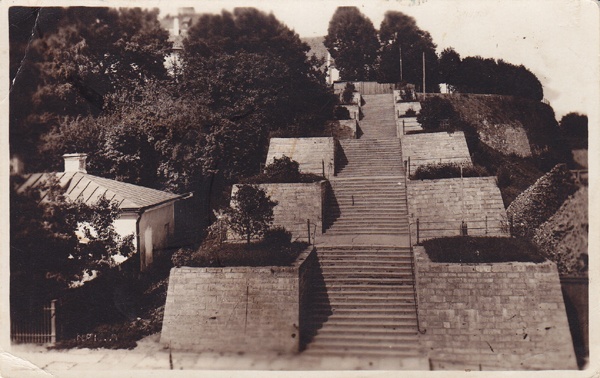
[36,361]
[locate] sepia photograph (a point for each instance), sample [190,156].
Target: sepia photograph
[253,187]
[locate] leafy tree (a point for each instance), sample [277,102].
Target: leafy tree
[574,127]
[352,41]
[251,213]
[449,64]
[74,58]
[481,75]
[400,32]
[47,255]
[434,110]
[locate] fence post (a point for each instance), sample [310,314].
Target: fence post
[417,231]
[323,167]
[403,128]
[408,167]
[308,229]
[53,321]
[461,170]
[463,229]
[486,227]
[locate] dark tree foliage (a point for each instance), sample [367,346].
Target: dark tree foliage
[574,127]
[70,59]
[400,32]
[480,75]
[348,93]
[251,213]
[352,41]
[253,71]
[46,253]
[435,110]
[449,65]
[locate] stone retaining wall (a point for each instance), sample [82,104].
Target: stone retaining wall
[238,309]
[311,153]
[297,203]
[493,316]
[429,148]
[442,205]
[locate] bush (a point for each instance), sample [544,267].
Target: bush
[341,113]
[182,257]
[434,110]
[242,254]
[282,170]
[481,250]
[410,112]
[277,236]
[348,93]
[447,170]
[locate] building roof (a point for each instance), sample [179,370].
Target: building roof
[89,188]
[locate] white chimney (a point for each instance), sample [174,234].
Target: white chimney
[75,162]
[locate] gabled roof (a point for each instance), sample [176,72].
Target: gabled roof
[89,188]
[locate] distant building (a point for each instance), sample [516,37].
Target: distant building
[151,215]
[178,27]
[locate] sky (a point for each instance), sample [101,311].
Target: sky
[558,40]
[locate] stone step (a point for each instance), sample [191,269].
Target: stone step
[365,232]
[390,227]
[397,289]
[391,261]
[336,312]
[362,306]
[353,268]
[349,324]
[367,337]
[357,296]
[341,346]
[406,279]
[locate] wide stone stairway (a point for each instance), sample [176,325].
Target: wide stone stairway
[364,303]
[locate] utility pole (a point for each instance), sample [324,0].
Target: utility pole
[423,73]
[400,50]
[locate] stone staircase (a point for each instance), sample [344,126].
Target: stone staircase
[373,205]
[364,306]
[379,119]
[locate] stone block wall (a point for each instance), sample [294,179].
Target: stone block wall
[310,153]
[296,204]
[405,125]
[506,138]
[237,309]
[442,205]
[431,148]
[508,316]
[402,107]
[354,111]
[343,129]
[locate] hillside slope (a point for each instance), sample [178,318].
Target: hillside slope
[564,237]
[510,125]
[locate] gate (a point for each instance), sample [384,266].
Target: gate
[38,328]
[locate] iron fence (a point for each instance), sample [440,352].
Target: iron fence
[38,328]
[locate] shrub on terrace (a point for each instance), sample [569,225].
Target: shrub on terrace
[348,93]
[481,250]
[447,170]
[341,113]
[282,170]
